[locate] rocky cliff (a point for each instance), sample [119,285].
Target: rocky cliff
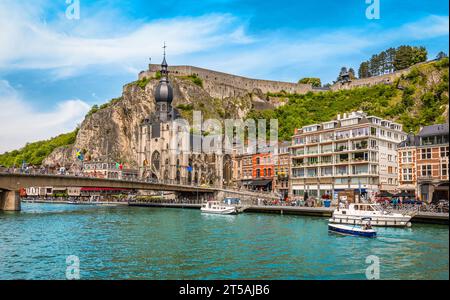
[114,129]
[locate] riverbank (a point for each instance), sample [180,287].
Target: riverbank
[75,203]
[421,217]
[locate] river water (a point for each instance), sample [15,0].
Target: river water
[167,243]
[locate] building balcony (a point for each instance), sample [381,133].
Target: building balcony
[426,178]
[359,160]
[342,161]
[340,149]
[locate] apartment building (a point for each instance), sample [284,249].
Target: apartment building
[353,152]
[407,170]
[424,163]
[263,171]
[282,169]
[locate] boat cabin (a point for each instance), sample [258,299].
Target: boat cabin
[363,207]
[216,205]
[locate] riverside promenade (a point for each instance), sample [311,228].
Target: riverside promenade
[421,217]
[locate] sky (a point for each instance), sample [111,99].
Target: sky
[55,65]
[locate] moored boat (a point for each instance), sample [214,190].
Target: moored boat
[215,207]
[356,211]
[352,230]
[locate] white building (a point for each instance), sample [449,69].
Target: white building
[354,152]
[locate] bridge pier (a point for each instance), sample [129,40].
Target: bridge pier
[10,201]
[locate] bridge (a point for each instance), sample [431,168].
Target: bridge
[11,183]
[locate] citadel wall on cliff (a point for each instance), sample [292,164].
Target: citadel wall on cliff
[221,85]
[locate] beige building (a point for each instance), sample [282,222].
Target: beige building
[282,166]
[354,152]
[424,163]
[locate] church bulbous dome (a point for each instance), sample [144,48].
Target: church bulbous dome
[164,92]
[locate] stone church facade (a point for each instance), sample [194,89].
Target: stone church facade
[166,152]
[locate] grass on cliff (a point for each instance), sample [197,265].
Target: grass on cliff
[194,78]
[35,153]
[412,101]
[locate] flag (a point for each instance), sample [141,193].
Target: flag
[80,155]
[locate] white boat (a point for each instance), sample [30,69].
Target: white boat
[356,211]
[216,207]
[364,230]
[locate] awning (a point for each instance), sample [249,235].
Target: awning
[384,194]
[405,194]
[260,182]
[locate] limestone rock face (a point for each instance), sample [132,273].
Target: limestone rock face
[113,131]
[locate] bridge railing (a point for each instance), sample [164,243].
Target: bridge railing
[182,183]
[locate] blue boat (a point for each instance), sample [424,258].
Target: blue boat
[365,230]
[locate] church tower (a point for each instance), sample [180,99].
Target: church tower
[164,92]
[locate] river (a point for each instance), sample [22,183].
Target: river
[167,243]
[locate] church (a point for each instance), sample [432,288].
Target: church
[166,152]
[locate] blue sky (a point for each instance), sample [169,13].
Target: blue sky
[53,69]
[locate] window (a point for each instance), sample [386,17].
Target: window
[407,156]
[258,173]
[426,153]
[407,174]
[444,151]
[444,169]
[426,170]
[428,140]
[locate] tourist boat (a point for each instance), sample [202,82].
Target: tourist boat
[216,207]
[364,230]
[356,211]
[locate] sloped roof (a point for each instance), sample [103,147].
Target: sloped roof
[434,130]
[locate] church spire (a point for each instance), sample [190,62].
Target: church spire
[164,64]
[164,91]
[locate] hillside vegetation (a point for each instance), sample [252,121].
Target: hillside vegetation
[34,153]
[416,99]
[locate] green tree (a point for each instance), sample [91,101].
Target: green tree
[351,73]
[441,55]
[407,56]
[363,71]
[315,82]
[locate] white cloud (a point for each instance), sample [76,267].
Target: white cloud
[104,38]
[30,43]
[19,123]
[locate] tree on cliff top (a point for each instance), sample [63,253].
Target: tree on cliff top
[392,59]
[313,81]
